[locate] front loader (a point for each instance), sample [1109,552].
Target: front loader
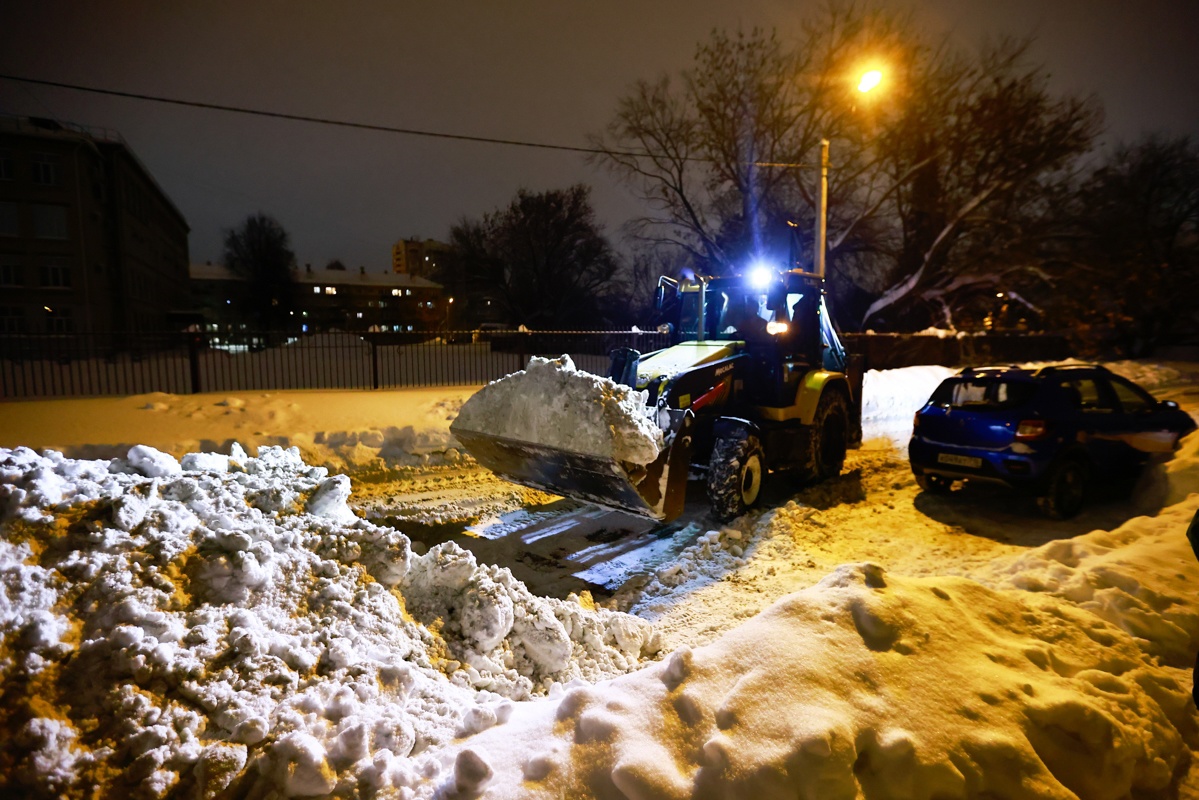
[755,380]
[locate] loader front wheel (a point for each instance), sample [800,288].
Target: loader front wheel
[830,437]
[735,475]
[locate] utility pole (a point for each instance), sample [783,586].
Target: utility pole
[821,240]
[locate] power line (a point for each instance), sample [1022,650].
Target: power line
[366,126]
[319,120]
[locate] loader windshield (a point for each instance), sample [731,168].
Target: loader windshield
[717,304]
[729,315]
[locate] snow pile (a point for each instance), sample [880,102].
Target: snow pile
[553,404]
[867,685]
[175,626]
[890,398]
[1134,577]
[342,430]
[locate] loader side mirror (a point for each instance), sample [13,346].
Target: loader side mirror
[659,297]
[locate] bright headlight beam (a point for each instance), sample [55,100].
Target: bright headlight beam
[760,277]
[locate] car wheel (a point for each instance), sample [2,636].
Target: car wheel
[1065,489]
[735,475]
[934,484]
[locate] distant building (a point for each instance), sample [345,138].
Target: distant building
[329,299]
[417,257]
[428,258]
[89,242]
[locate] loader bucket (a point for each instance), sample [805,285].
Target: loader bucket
[656,490]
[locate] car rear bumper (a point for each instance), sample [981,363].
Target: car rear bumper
[1019,469]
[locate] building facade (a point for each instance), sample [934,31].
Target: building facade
[329,299]
[89,242]
[419,257]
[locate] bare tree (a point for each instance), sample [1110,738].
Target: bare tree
[724,156]
[259,251]
[544,259]
[978,134]
[1133,278]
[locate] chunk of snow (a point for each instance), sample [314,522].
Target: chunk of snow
[553,404]
[152,463]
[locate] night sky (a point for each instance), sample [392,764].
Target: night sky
[521,69]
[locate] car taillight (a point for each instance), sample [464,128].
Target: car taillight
[1031,429]
[915,422]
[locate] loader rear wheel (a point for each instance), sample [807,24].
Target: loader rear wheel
[830,437]
[735,475]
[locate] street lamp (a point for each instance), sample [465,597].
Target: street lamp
[870,80]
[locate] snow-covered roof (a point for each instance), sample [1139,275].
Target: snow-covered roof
[331,277]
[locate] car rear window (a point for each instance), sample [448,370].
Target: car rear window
[983,394]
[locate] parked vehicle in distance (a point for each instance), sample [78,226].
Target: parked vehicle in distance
[1054,430]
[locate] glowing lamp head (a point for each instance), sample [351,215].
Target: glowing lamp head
[870,80]
[760,276]
[776,328]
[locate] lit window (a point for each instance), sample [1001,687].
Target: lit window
[396,292]
[316,290]
[358,315]
[330,290]
[407,292]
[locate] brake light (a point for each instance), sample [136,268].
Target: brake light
[1030,429]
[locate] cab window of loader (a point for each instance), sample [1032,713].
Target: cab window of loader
[747,317]
[717,304]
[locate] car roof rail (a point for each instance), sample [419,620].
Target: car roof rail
[1051,368]
[990,369]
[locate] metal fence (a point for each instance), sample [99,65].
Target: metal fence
[48,365]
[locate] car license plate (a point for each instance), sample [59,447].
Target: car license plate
[959,461]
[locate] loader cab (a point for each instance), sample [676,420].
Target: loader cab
[776,324]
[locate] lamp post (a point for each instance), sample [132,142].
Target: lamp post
[870,80]
[822,210]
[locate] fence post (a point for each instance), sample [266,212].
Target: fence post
[193,361]
[374,362]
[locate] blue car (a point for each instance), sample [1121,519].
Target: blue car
[1055,431]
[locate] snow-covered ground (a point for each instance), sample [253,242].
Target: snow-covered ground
[191,625]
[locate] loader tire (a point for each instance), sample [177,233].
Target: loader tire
[830,437]
[735,476]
